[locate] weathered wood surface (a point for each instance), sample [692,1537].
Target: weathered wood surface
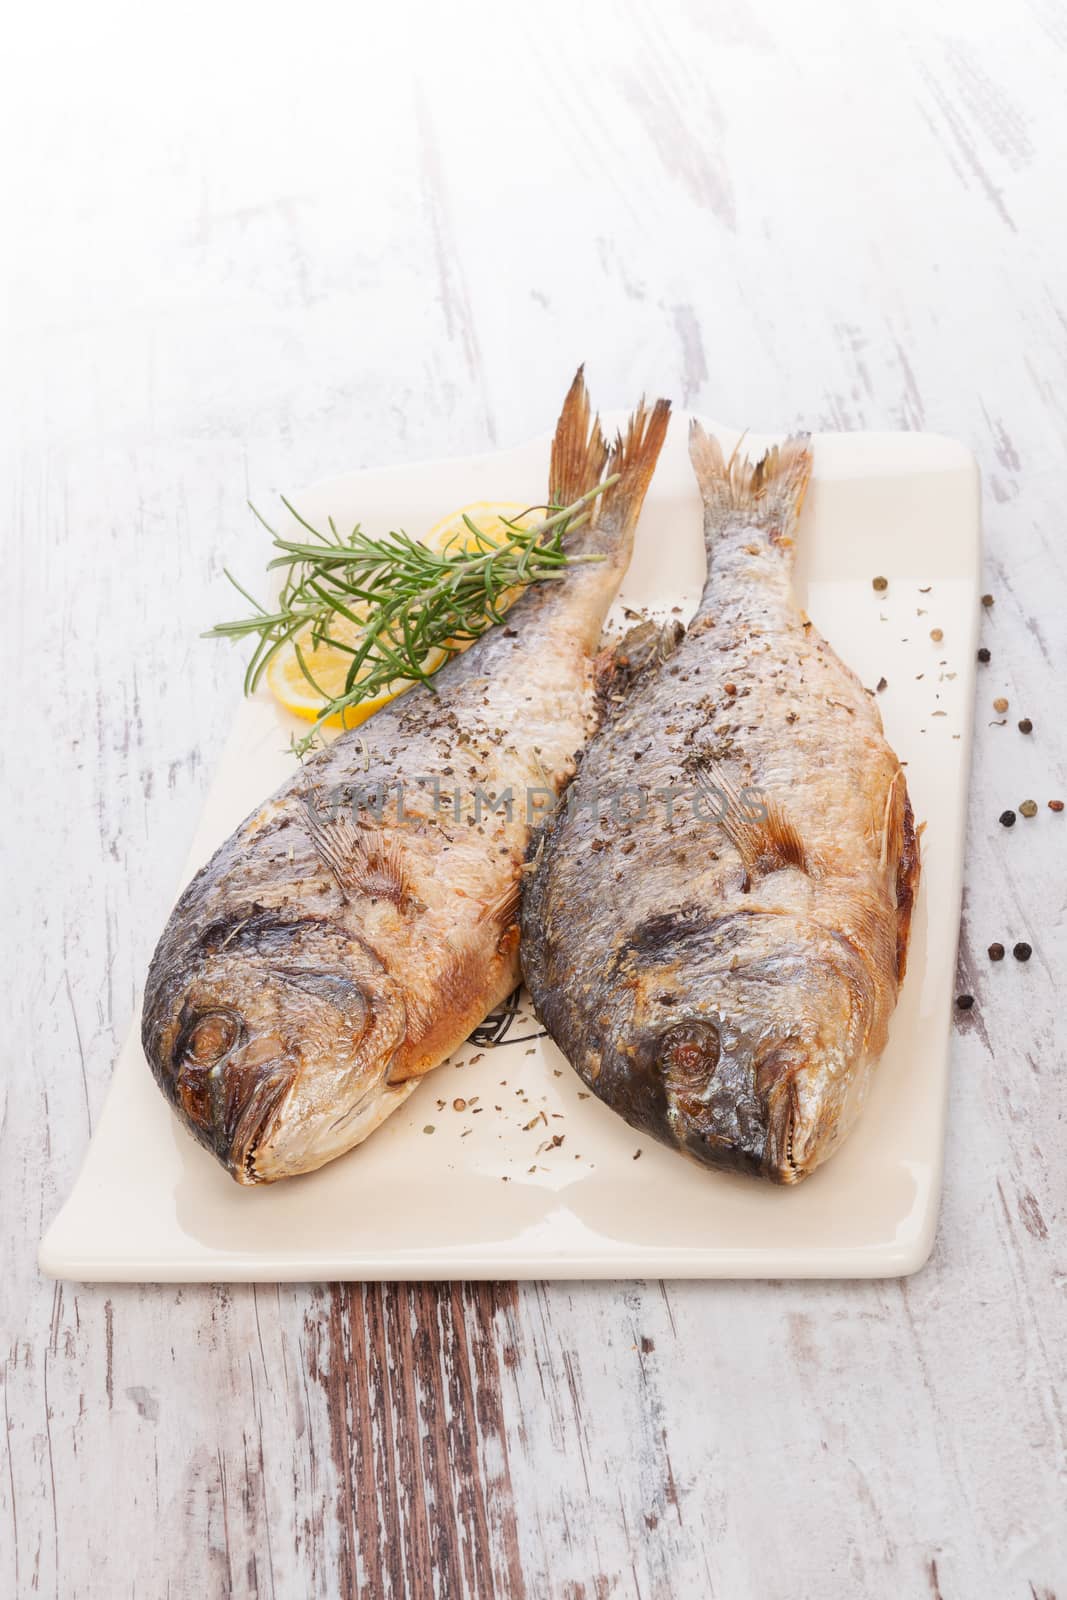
[249,248]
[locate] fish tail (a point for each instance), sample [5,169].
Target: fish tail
[633,457]
[766,494]
[581,456]
[579,449]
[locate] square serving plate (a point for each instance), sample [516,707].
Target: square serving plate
[484,1192]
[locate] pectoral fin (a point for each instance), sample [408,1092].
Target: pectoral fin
[757,825]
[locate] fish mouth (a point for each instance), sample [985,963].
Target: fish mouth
[256,1116]
[780,1159]
[719,1115]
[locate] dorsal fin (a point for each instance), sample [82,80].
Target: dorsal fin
[900,854]
[618,668]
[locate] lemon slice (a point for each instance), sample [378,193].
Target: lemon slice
[329,665]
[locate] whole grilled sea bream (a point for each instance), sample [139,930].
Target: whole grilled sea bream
[718,950]
[363,920]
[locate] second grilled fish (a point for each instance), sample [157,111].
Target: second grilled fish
[718,926]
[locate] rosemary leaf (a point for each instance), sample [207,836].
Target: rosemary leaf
[411,607]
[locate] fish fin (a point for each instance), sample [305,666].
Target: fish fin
[633,457]
[579,449]
[766,838]
[504,907]
[335,841]
[765,494]
[365,862]
[580,455]
[619,667]
[892,821]
[900,843]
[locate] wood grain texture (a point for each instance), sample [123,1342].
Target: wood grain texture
[253,250]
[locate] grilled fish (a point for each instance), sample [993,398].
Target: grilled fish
[358,925]
[718,927]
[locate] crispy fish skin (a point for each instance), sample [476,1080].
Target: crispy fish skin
[358,925]
[720,962]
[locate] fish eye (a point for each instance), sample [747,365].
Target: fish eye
[208,1039]
[689,1055]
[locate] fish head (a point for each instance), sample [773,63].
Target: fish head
[758,1056]
[271,1033]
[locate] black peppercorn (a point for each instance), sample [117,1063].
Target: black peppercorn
[1026,726]
[1021,951]
[965,1001]
[983,655]
[996,952]
[1008,819]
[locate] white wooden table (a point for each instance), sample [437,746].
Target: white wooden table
[250,247]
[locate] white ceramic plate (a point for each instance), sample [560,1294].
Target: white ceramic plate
[480,1196]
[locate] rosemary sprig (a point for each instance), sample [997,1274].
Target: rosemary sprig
[410,607]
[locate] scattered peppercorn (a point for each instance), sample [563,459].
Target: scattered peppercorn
[1008,819]
[983,655]
[880,584]
[1021,951]
[996,952]
[1026,726]
[965,1001]
[1000,704]
[1055,805]
[987,599]
[1029,808]
[936,635]
[729,688]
